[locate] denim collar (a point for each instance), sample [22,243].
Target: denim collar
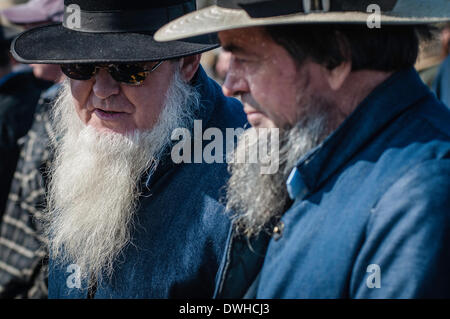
[208,95]
[383,105]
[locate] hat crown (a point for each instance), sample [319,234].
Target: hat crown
[260,8]
[109,16]
[121,5]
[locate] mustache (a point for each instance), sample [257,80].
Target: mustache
[110,104]
[247,99]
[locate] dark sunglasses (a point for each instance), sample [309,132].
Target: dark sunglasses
[128,73]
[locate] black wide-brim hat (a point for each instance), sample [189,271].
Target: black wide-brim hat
[106,31]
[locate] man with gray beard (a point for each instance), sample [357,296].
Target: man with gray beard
[258,199]
[123,220]
[360,205]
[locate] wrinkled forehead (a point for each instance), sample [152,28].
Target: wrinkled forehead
[245,40]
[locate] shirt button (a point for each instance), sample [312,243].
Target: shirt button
[278,231]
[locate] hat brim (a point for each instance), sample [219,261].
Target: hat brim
[215,19]
[55,44]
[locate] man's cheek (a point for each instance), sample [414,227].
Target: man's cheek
[82,114]
[81,90]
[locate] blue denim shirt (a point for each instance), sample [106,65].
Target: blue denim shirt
[182,228]
[371,216]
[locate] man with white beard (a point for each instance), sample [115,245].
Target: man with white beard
[360,205]
[123,220]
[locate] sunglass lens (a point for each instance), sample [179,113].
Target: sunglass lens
[133,74]
[78,71]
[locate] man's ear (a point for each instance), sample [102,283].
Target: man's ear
[189,65]
[337,76]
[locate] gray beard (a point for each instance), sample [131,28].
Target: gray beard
[94,181]
[258,199]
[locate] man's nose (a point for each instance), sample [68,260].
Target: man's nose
[235,83]
[104,85]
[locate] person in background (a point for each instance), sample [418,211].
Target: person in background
[19,94]
[23,263]
[5,4]
[430,58]
[441,84]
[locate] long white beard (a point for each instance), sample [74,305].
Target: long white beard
[259,199]
[94,181]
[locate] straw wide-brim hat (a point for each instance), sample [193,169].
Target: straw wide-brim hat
[109,31]
[234,14]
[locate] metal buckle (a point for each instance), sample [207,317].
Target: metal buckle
[278,231]
[316,6]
